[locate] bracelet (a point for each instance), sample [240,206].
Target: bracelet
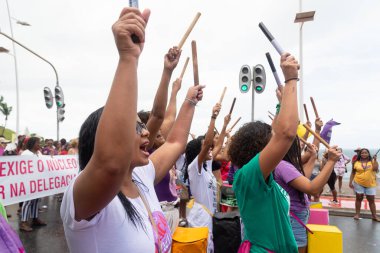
[291,79]
[191,101]
[213,117]
[278,106]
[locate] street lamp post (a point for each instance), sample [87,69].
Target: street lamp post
[301,18]
[39,56]
[16,75]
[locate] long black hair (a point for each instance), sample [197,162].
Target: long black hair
[294,157]
[360,155]
[86,149]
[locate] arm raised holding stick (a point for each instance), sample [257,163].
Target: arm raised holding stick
[189,30]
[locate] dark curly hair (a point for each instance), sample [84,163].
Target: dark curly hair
[248,141]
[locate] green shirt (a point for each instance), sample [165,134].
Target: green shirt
[264,208]
[3,212]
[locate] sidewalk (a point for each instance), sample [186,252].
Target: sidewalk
[346,202]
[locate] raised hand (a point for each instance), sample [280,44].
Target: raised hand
[195,94]
[318,124]
[334,154]
[289,66]
[172,58]
[216,109]
[227,119]
[177,85]
[312,149]
[131,22]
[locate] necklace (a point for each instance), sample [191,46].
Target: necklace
[365,166]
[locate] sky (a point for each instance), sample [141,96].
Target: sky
[340,59]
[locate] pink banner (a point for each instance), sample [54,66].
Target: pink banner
[29,177]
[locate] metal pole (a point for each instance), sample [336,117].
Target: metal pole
[57,125]
[39,56]
[300,98]
[300,105]
[253,104]
[16,75]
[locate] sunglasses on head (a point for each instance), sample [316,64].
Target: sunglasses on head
[140,126]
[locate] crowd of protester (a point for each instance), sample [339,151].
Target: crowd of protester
[129,192]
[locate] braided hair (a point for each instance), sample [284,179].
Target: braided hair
[294,157]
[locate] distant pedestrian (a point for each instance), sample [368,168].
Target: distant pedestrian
[340,169]
[363,181]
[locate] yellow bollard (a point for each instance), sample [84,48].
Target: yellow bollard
[325,239]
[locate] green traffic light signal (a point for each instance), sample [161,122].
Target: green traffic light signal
[244,87]
[59,104]
[259,88]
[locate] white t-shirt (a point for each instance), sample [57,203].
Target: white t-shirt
[203,185]
[111,230]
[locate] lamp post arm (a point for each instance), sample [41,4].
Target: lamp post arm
[31,51]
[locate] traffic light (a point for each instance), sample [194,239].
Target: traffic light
[48,97]
[59,98]
[259,78]
[245,79]
[61,113]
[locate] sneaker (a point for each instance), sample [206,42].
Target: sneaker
[38,222]
[24,226]
[333,202]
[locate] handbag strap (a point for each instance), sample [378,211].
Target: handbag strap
[154,225]
[300,222]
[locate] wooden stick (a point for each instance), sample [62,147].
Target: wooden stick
[235,123]
[314,107]
[184,68]
[302,140]
[270,117]
[187,33]
[195,62]
[222,96]
[271,114]
[306,113]
[232,106]
[317,136]
[216,130]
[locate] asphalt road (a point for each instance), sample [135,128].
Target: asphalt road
[358,236]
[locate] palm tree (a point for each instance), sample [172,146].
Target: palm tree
[6,111]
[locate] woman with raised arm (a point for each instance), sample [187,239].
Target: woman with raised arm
[111,206]
[363,181]
[290,175]
[256,149]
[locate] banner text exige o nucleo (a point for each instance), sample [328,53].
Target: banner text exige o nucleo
[29,177]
